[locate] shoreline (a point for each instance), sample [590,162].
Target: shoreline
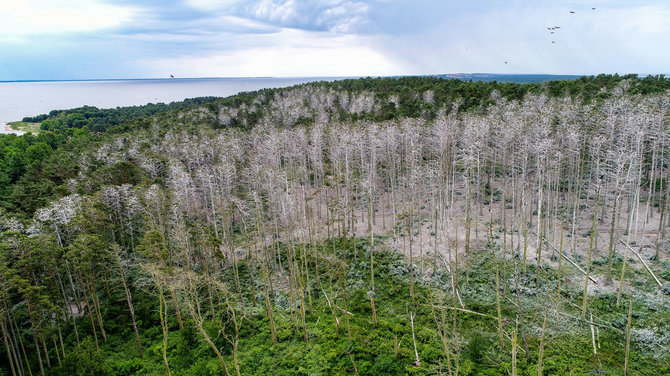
[8,130]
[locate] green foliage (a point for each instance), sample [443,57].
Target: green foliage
[118,174]
[101,120]
[152,246]
[82,361]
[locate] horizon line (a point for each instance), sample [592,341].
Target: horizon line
[456,75]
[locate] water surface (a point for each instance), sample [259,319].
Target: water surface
[20,99]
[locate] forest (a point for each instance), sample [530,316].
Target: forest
[377,226]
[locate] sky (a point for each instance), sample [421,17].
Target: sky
[97,39]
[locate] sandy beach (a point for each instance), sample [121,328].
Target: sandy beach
[8,129]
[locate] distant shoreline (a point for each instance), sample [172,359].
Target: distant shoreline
[462,76]
[176,79]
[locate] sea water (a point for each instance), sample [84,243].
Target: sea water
[30,98]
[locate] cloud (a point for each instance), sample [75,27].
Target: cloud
[28,18]
[292,53]
[73,38]
[340,16]
[212,5]
[324,15]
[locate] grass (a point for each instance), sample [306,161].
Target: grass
[25,127]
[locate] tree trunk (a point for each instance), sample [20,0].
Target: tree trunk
[588,263]
[5,335]
[630,317]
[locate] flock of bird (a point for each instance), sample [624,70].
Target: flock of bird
[553,29]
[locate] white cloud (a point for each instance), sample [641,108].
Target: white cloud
[291,53]
[340,16]
[210,5]
[20,19]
